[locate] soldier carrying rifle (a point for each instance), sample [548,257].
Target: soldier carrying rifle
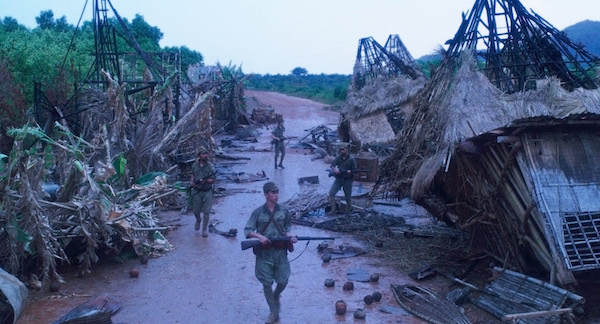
[343,168]
[271,220]
[203,177]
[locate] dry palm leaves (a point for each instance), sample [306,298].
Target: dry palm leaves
[306,201]
[39,232]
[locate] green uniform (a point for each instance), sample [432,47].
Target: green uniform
[202,194]
[343,180]
[272,264]
[279,145]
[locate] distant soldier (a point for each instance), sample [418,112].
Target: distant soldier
[203,177]
[268,221]
[343,167]
[277,139]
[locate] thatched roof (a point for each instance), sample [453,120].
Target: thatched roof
[373,128]
[385,93]
[459,103]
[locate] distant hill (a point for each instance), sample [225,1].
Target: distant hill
[586,32]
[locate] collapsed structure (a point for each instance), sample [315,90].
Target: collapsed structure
[382,93]
[85,181]
[503,142]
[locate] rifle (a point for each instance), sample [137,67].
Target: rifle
[332,174]
[246,244]
[199,187]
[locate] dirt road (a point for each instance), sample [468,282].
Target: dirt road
[210,280]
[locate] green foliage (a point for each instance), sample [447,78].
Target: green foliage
[120,166]
[299,71]
[10,24]
[187,57]
[147,36]
[428,63]
[148,178]
[2,162]
[325,88]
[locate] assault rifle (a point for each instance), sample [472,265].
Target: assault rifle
[332,174]
[283,239]
[198,186]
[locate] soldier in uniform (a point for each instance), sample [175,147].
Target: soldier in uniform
[203,177]
[268,221]
[343,167]
[277,139]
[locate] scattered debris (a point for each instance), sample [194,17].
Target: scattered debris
[311,179]
[231,233]
[425,305]
[304,202]
[329,282]
[424,271]
[358,275]
[360,314]
[98,309]
[349,285]
[341,251]
[13,297]
[515,293]
[340,307]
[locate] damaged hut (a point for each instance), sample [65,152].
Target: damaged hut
[84,181]
[382,92]
[504,143]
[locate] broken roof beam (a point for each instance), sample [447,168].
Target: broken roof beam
[374,60]
[519,47]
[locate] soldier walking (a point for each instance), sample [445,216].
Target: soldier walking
[269,221]
[343,167]
[203,178]
[277,139]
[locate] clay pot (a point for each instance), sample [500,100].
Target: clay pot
[134,273]
[376,296]
[374,277]
[54,286]
[360,314]
[368,299]
[349,285]
[340,307]
[329,282]
[326,257]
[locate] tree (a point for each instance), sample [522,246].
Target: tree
[147,36]
[45,20]
[299,71]
[10,24]
[187,57]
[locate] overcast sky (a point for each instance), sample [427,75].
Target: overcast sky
[275,36]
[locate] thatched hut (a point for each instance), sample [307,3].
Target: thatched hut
[515,170]
[385,82]
[376,111]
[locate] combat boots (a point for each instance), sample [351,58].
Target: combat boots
[197,225]
[204,225]
[333,205]
[272,319]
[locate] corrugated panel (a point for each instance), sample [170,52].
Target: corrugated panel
[566,171]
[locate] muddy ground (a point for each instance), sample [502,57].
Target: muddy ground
[211,280]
